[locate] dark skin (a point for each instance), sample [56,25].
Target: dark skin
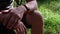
[11,20]
[33,18]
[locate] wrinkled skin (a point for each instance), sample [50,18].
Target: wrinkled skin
[8,18]
[33,18]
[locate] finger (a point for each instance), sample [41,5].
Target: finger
[18,28]
[22,27]
[12,21]
[17,31]
[25,31]
[12,25]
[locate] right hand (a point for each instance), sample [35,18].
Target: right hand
[13,16]
[9,19]
[12,21]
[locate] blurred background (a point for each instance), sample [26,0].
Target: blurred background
[50,10]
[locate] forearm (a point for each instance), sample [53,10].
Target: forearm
[31,5]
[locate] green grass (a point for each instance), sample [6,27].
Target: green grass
[51,14]
[29,31]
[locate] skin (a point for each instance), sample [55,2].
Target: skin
[33,18]
[11,20]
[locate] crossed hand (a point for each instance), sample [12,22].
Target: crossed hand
[11,20]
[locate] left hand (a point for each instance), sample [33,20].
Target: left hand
[20,28]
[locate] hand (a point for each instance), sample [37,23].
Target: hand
[13,16]
[20,28]
[12,22]
[9,19]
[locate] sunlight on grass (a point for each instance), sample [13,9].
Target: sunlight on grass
[28,31]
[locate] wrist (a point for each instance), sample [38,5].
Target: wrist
[26,7]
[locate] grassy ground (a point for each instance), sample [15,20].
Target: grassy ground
[51,13]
